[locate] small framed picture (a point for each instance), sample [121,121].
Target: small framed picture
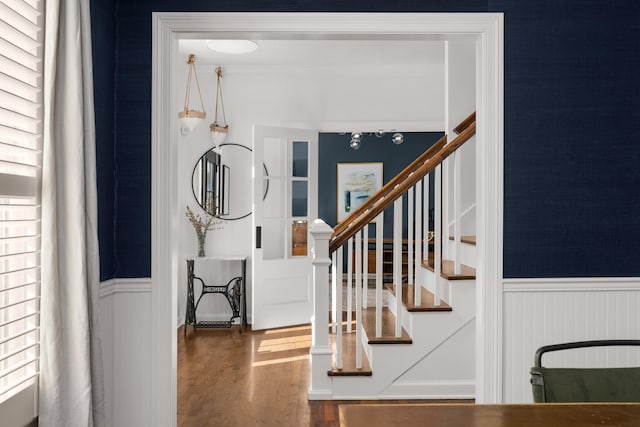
[356,183]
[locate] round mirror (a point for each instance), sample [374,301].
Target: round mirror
[221,181]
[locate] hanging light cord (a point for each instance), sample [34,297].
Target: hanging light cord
[192,70]
[220,98]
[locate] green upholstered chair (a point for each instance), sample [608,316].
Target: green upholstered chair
[585,384]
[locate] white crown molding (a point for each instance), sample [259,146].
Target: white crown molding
[388,126]
[573,284]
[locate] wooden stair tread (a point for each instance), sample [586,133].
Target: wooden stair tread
[471,240]
[426,299]
[466,272]
[388,327]
[348,357]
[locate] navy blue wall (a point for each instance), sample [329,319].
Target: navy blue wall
[334,148]
[572,109]
[103,44]
[572,133]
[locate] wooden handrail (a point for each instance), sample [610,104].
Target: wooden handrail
[406,183]
[465,123]
[386,188]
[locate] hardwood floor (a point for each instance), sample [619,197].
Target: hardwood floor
[231,378]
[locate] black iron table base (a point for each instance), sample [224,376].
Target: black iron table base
[234,291]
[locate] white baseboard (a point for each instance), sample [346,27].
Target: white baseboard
[453,389]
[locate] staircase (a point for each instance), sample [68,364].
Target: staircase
[421,343]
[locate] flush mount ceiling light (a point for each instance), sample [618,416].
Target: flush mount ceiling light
[190,117]
[218,131]
[235,47]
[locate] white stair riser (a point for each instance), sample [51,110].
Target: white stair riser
[467,252]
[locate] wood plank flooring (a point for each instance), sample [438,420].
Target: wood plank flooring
[227,378]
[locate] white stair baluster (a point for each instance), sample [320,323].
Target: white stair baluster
[410,236]
[365,265]
[397,262]
[417,297]
[358,299]
[437,238]
[427,206]
[457,227]
[340,287]
[379,271]
[349,283]
[334,290]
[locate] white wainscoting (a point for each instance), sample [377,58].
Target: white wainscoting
[125,321]
[540,312]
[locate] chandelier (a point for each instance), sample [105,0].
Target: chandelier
[357,137]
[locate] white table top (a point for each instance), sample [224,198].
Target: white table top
[220,258]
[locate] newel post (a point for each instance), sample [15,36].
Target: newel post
[320,353]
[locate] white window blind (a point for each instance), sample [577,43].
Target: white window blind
[21,35]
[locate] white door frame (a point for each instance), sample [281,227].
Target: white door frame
[487,28]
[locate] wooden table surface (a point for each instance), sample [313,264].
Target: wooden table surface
[461,415]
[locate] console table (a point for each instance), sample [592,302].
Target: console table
[234,291]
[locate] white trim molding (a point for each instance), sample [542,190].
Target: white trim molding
[118,286]
[485,28]
[578,284]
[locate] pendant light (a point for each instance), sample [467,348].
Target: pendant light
[218,131]
[189,117]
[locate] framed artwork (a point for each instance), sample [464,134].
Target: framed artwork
[356,183]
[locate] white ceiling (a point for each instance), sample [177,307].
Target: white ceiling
[322,53]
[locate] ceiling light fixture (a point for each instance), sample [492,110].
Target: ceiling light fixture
[189,117]
[219,132]
[234,47]
[397,138]
[357,137]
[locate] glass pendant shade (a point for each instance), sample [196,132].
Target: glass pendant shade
[397,138]
[218,131]
[190,117]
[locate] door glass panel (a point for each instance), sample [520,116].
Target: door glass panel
[273,238]
[273,158]
[299,195]
[274,204]
[300,159]
[299,238]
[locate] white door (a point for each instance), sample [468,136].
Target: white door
[285,203]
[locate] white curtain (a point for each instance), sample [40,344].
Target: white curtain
[71,389]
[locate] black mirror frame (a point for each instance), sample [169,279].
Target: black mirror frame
[266,173]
